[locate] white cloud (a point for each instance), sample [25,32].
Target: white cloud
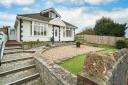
[24,2]
[7,18]
[49,4]
[95,2]
[29,10]
[80,18]
[8,3]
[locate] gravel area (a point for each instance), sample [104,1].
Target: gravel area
[58,54]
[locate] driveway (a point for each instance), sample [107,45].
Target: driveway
[59,54]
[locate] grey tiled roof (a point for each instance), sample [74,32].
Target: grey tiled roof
[36,16]
[40,17]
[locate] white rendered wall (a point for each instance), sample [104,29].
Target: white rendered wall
[27,36]
[27,33]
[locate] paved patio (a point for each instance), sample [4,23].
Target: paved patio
[58,54]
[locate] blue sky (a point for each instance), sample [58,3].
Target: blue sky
[82,13]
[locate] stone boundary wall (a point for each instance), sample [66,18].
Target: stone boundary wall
[119,74]
[51,73]
[109,40]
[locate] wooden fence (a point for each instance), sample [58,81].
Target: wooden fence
[109,40]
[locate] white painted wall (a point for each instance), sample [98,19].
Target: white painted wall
[57,21]
[27,33]
[28,37]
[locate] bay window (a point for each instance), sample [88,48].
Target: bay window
[40,29]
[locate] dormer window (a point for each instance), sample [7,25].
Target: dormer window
[52,15]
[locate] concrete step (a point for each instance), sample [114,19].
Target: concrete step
[13,47]
[16,56]
[16,70]
[36,81]
[13,51]
[20,51]
[7,67]
[19,77]
[13,44]
[15,60]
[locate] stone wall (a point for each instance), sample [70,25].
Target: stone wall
[120,69]
[116,74]
[52,74]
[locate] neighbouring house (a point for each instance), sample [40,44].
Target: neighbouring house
[42,26]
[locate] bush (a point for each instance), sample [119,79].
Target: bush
[121,44]
[52,39]
[78,43]
[38,41]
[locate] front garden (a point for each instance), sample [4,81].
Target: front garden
[75,65]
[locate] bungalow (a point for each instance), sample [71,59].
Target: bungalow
[42,26]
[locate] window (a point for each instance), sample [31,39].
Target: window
[45,33]
[56,32]
[52,15]
[40,29]
[68,32]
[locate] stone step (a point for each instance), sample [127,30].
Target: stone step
[16,56]
[15,60]
[16,70]
[19,77]
[17,51]
[15,65]
[29,80]
[13,48]
[13,51]
[36,81]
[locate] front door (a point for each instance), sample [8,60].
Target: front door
[56,33]
[12,35]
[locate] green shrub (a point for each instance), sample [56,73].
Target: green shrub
[52,39]
[38,41]
[78,43]
[48,45]
[121,44]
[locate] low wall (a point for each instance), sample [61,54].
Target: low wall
[51,73]
[109,40]
[117,73]
[120,69]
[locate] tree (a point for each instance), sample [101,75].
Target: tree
[89,31]
[107,27]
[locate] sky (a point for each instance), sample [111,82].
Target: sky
[81,13]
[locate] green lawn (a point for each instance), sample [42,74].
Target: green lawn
[75,64]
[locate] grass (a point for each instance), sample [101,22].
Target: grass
[74,65]
[107,48]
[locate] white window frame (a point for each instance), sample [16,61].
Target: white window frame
[52,15]
[69,32]
[40,28]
